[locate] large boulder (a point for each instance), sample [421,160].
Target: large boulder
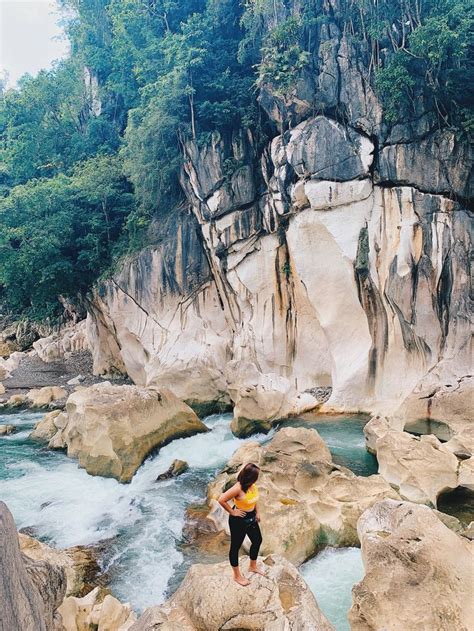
[210,599]
[111,429]
[30,590]
[261,399]
[42,397]
[45,429]
[420,468]
[418,573]
[305,499]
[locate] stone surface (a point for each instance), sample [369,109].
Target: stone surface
[279,600]
[420,468]
[177,467]
[418,573]
[305,499]
[7,429]
[42,397]
[261,399]
[335,256]
[30,591]
[94,611]
[45,429]
[111,429]
[56,346]
[78,563]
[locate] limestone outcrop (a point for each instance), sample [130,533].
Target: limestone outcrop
[279,600]
[422,467]
[30,591]
[306,499]
[329,258]
[259,399]
[45,429]
[42,397]
[72,338]
[111,429]
[78,563]
[418,573]
[96,611]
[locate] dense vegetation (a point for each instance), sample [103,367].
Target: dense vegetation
[91,149]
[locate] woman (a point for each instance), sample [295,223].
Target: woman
[243,519]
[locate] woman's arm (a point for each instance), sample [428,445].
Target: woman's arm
[228,495]
[257,512]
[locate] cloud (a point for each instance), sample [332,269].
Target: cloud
[31,38]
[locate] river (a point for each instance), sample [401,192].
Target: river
[46,491]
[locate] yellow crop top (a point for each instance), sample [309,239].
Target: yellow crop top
[248,502]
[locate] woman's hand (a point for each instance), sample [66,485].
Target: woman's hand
[257,517]
[238,513]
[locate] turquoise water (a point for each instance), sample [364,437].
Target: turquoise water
[331,576]
[141,523]
[345,438]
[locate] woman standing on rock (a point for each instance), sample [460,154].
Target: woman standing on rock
[243,519]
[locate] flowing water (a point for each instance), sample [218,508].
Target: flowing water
[331,576]
[142,521]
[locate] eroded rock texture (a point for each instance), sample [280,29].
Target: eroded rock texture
[418,573]
[337,256]
[279,600]
[30,590]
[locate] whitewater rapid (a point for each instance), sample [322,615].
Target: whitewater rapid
[141,523]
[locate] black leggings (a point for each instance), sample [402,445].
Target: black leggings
[238,530]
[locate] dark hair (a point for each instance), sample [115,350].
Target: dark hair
[248,476]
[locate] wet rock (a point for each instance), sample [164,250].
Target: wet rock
[30,591]
[7,429]
[418,573]
[176,468]
[111,429]
[280,599]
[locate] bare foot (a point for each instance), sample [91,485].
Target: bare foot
[257,570]
[241,580]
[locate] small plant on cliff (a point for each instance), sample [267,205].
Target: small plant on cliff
[283,57]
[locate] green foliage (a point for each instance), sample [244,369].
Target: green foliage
[283,57]
[419,49]
[56,234]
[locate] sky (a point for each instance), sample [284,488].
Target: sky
[30,38]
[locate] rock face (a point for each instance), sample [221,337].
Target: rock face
[111,429]
[418,573]
[42,397]
[30,591]
[58,345]
[335,256]
[422,467]
[78,563]
[279,600]
[305,499]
